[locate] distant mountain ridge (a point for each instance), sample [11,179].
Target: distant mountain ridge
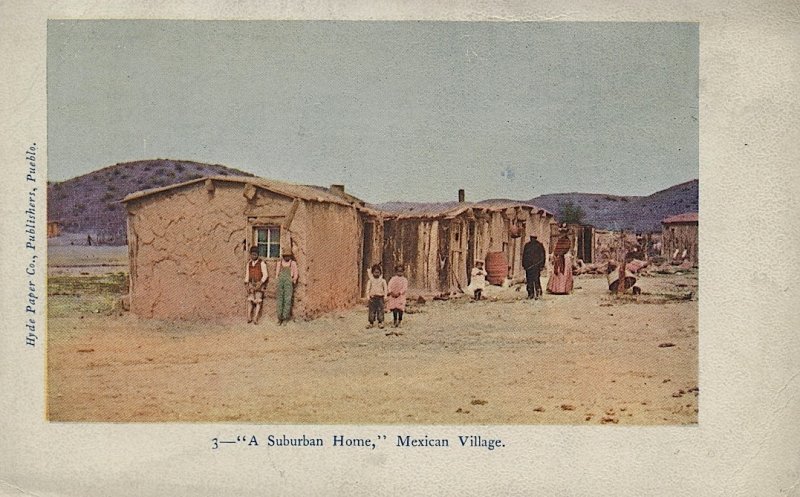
[633,213]
[90,203]
[611,212]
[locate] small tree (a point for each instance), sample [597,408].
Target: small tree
[571,213]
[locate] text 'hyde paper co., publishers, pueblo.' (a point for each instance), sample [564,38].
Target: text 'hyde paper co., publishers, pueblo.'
[31,288]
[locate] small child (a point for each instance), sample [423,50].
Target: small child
[255,281]
[377,290]
[478,279]
[397,288]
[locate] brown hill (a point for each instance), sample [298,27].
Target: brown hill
[639,214]
[89,204]
[614,212]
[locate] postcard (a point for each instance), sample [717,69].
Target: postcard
[263,248]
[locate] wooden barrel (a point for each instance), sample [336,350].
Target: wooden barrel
[496,267]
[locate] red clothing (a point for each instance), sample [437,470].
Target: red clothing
[562,247]
[256,271]
[560,282]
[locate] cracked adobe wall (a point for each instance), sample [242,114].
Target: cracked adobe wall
[187,253]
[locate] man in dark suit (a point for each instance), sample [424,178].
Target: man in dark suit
[533,260]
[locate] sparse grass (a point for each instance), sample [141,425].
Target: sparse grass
[71,295]
[112,283]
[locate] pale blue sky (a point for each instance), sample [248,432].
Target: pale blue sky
[394,110]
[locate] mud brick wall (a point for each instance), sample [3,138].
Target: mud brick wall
[188,252]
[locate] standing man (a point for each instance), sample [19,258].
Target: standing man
[287,274]
[255,280]
[533,259]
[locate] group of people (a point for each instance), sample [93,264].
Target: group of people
[534,258]
[391,295]
[255,281]
[384,295]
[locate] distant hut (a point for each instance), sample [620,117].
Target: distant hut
[609,245]
[188,244]
[680,234]
[53,229]
[438,242]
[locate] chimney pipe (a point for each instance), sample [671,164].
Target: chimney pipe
[337,190]
[461,195]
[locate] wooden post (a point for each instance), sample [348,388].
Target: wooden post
[287,221]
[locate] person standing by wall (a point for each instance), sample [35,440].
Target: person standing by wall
[287,274]
[533,260]
[255,279]
[377,290]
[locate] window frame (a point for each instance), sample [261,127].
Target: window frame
[268,228]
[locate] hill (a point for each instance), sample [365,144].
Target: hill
[89,204]
[640,214]
[612,212]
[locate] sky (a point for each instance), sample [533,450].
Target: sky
[407,110]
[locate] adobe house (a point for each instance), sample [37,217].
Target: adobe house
[680,233]
[437,243]
[188,245]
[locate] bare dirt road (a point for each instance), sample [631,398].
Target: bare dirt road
[586,358]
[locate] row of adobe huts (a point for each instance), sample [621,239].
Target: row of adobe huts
[188,243]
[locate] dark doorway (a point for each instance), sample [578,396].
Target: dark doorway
[470,250]
[366,254]
[584,251]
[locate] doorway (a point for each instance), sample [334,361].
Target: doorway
[366,254]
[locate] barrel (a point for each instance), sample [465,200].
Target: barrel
[496,267]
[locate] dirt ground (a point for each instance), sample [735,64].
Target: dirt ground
[585,358]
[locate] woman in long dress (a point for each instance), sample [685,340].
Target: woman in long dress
[560,282]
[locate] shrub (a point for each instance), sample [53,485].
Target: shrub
[571,213]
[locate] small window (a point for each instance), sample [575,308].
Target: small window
[268,241]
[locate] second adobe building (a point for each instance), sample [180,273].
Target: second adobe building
[188,243]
